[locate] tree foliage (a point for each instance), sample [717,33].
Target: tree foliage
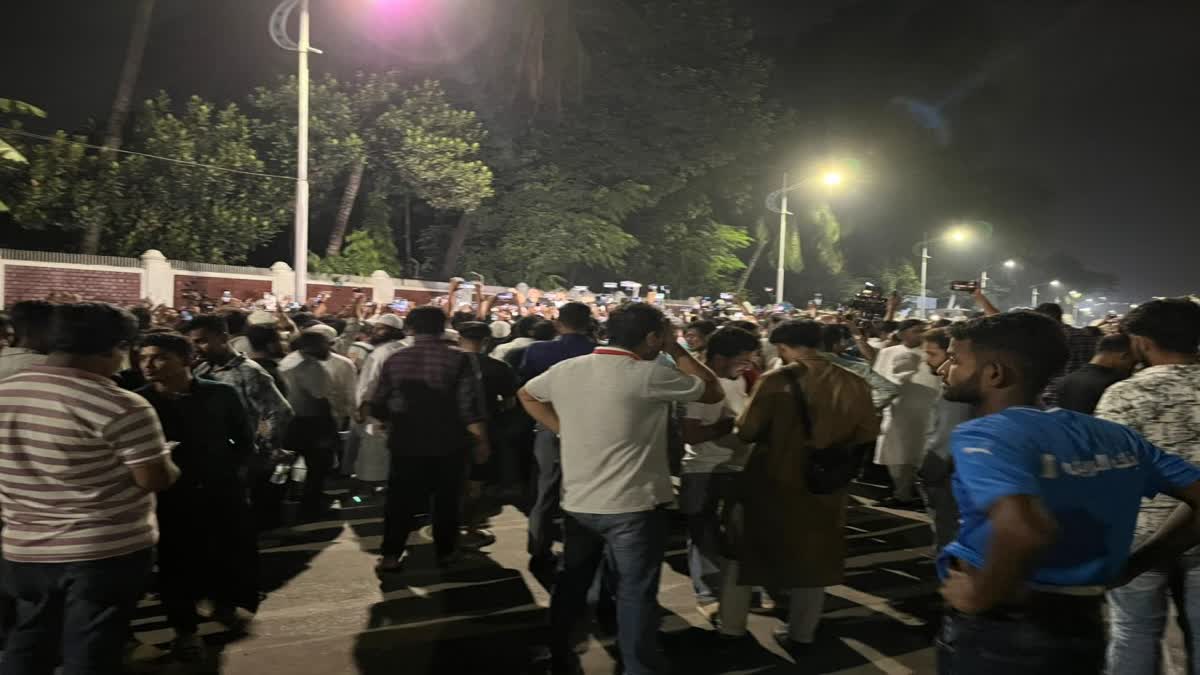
[185,209]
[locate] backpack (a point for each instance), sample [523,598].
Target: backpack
[828,470]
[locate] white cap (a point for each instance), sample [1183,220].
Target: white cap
[322,329]
[501,329]
[389,320]
[260,317]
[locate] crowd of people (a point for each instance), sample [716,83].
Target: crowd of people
[149,448]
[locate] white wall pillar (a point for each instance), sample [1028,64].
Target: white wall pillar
[383,288]
[283,282]
[158,279]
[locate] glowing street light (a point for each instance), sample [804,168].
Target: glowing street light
[1053,282]
[1010,263]
[830,179]
[958,235]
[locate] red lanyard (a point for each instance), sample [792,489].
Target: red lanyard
[604,351]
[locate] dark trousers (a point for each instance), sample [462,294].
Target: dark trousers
[1054,635]
[633,545]
[419,485]
[81,608]
[316,440]
[205,549]
[547,493]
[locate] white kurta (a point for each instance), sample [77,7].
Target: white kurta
[902,436]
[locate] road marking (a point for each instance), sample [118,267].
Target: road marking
[878,659]
[874,602]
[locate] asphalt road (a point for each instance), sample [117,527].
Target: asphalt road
[327,613]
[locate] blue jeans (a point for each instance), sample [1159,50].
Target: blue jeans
[1059,635]
[635,544]
[549,487]
[701,499]
[1138,618]
[81,608]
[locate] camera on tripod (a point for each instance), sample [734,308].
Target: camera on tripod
[870,302]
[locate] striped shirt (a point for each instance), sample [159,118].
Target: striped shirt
[67,440]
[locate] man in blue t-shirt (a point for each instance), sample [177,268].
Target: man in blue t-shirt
[1049,499]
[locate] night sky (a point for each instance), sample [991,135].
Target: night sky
[1096,99]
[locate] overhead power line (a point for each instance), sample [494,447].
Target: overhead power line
[185,162]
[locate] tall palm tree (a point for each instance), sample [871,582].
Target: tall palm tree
[122,102]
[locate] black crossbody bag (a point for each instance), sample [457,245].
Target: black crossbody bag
[828,470]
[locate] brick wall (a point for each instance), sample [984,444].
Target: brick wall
[28,282]
[213,287]
[417,298]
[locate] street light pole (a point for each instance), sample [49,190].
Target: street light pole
[279,34]
[924,274]
[783,209]
[300,254]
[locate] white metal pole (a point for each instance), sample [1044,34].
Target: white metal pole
[983,279]
[300,253]
[1033,303]
[783,206]
[924,275]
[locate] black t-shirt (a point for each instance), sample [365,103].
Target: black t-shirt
[1081,390]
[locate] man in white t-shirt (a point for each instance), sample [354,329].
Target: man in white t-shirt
[611,409]
[712,461]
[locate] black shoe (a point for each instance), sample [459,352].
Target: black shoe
[893,503]
[785,641]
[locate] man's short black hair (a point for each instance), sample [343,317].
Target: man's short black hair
[832,334]
[798,333]
[427,320]
[474,330]
[91,328]
[235,320]
[1173,324]
[523,328]
[1117,343]
[211,323]
[704,327]
[1035,343]
[731,341]
[576,316]
[459,318]
[174,343]
[629,324]
[262,338]
[909,323]
[31,318]
[938,336]
[1050,309]
[543,330]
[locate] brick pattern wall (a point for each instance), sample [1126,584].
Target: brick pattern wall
[26,282]
[213,287]
[417,298]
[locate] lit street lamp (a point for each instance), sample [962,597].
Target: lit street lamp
[830,179]
[1009,264]
[1055,283]
[956,235]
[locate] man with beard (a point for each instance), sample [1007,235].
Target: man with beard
[902,434]
[933,478]
[1162,402]
[1049,500]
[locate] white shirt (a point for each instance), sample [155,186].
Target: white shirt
[342,375]
[14,360]
[727,453]
[368,377]
[517,343]
[613,409]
